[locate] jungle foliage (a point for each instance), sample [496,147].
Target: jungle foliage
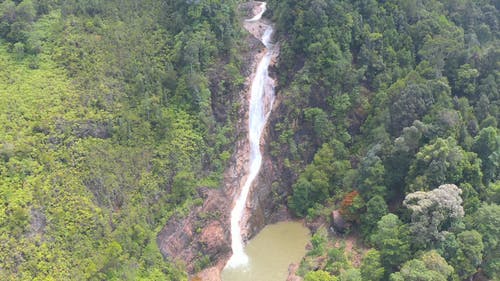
[112,115]
[390,114]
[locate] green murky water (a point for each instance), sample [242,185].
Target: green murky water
[271,252]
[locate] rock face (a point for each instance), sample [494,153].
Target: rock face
[264,206]
[209,274]
[201,232]
[338,222]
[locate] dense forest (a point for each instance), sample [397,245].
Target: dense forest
[114,113]
[390,115]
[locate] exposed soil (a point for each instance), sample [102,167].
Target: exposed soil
[292,273]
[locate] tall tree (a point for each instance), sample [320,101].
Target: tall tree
[487,146]
[391,239]
[469,254]
[371,268]
[444,161]
[376,208]
[433,213]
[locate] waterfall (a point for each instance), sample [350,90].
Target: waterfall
[261,99]
[258,16]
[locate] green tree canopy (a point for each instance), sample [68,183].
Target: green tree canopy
[487,222]
[429,267]
[391,239]
[371,268]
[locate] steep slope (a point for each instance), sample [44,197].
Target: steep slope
[384,101]
[116,115]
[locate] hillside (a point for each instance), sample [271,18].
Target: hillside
[383,103]
[113,114]
[117,116]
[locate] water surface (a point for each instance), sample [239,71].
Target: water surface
[270,253]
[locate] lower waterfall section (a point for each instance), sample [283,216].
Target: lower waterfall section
[271,252]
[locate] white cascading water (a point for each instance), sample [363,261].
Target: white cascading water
[258,16]
[262,90]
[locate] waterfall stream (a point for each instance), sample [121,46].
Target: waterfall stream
[261,100]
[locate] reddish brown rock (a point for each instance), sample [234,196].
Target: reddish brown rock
[202,232]
[213,236]
[209,274]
